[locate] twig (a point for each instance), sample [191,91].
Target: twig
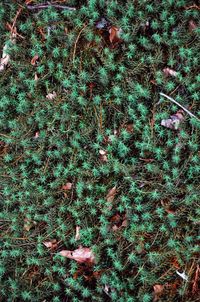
[175,102]
[75,45]
[48,4]
[15,19]
[194,6]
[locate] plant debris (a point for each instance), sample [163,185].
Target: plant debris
[81,255]
[174,121]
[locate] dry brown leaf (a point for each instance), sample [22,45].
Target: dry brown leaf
[169,72]
[195,285]
[77,236]
[115,34]
[103,155]
[174,121]
[129,128]
[51,244]
[5,56]
[37,134]
[81,255]
[192,25]
[125,223]
[36,78]
[34,60]
[67,186]
[115,227]
[28,224]
[111,194]
[158,290]
[51,96]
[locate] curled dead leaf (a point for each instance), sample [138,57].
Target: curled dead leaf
[174,121]
[81,255]
[192,25]
[51,244]
[195,285]
[129,128]
[115,34]
[36,78]
[29,224]
[51,96]
[5,56]
[158,290]
[111,194]
[67,186]
[103,155]
[37,134]
[169,72]
[34,60]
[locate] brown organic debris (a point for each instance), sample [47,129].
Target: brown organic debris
[115,34]
[81,255]
[174,121]
[5,56]
[192,25]
[77,236]
[29,224]
[51,244]
[67,186]
[195,285]
[103,155]
[34,60]
[158,290]
[170,72]
[110,196]
[51,96]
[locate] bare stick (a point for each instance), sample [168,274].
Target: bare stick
[175,102]
[48,4]
[75,45]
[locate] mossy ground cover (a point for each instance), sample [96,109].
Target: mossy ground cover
[84,159]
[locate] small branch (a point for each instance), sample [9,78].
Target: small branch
[75,45]
[48,4]
[194,6]
[175,102]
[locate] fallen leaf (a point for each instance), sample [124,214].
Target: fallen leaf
[111,194]
[67,186]
[129,128]
[36,77]
[174,121]
[170,211]
[34,60]
[77,236]
[51,244]
[81,255]
[158,290]
[36,134]
[115,34]
[153,82]
[169,72]
[115,227]
[51,96]
[103,155]
[195,285]
[5,56]
[125,223]
[28,224]
[192,25]
[108,290]
[182,275]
